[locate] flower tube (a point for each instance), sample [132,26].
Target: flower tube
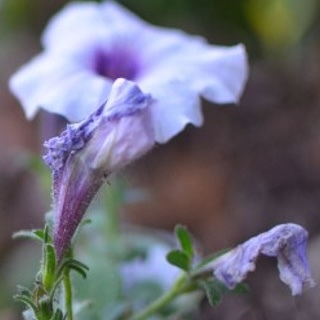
[82,157]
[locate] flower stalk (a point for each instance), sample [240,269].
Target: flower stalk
[68,299]
[44,301]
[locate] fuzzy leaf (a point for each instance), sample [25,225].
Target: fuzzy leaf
[23,291]
[241,288]
[36,234]
[185,240]
[49,266]
[27,301]
[58,315]
[74,265]
[214,291]
[179,259]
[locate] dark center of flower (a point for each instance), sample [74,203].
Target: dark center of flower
[118,63]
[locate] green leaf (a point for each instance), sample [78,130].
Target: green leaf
[75,265]
[214,291]
[23,291]
[45,307]
[39,233]
[179,259]
[185,240]
[36,234]
[241,288]
[27,301]
[58,315]
[46,235]
[48,267]
[79,270]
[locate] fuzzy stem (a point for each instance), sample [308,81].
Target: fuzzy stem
[67,293]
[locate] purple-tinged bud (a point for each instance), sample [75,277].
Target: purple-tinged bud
[287,242]
[115,135]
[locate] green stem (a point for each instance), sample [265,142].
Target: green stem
[67,294]
[113,204]
[179,287]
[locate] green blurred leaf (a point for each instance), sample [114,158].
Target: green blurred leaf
[214,291]
[49,267]
[281,23]
[27,301]
[23,291]
[58,315]
[185,240]
[75,265]
[179,259]
[31,234]
[241,288]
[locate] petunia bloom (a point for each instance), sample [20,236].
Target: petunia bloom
[88,45]
[117,133]
[287,242]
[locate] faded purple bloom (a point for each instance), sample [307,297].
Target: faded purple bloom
[118,133]
[88,45]
[287,242]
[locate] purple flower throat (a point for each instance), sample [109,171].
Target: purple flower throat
[119,62]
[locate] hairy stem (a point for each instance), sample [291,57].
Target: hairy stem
[67,294]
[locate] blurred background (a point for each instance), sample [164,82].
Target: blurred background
[248,168]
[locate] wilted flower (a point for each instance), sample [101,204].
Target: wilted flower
[88,45]
[82,156]
[287,242]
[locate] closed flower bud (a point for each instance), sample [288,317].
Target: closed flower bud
[115,135]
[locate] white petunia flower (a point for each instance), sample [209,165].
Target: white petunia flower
[89,45]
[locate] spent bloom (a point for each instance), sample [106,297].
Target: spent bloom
[88,45]
[116,134]
[287,242]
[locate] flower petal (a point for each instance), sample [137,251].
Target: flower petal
[73,22]
[68,89]
[217,73]
[174,107]
[287,242]
[176,68]
[222,73]
[82,21]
